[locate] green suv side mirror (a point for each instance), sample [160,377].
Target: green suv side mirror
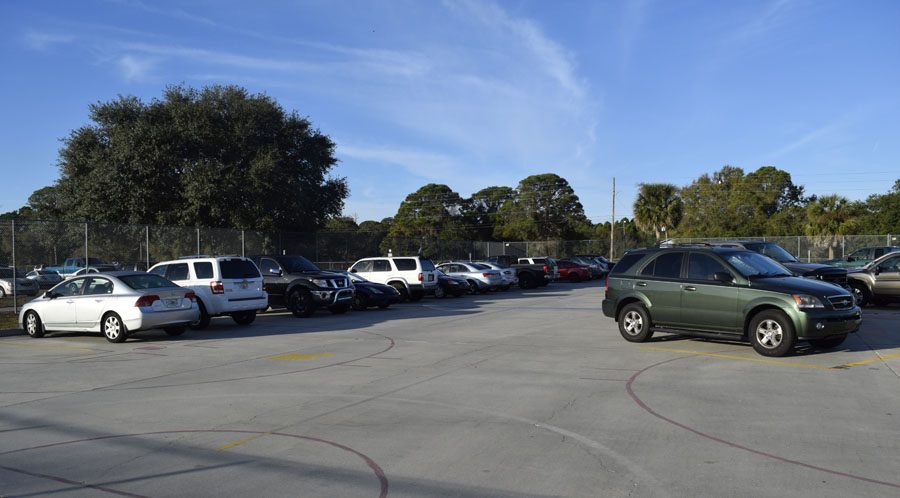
[723,276]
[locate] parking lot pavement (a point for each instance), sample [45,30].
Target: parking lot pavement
[509,394]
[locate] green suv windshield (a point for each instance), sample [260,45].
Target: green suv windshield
[773,251]
[751,264]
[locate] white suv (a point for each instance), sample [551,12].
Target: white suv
[224,285]
[412,276]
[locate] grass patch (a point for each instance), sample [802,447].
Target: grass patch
[8,320]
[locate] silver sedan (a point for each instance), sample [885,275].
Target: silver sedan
[509,275]
[480,277]
[115,304]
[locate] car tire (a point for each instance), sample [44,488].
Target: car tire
[861,293]
[526,281]
[174,331]
[113,328]
[244,317]
[634,323]
[404,294]
[473,287]
[33,326]
[416,296]
[828,343]
[360,303]
[383,306]
[2,293]
[204,319]
[339,309]
[771,333]
[574,278]
[439,292]
[301,303]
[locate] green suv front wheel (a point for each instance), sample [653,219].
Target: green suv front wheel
[634,323]
[772,333]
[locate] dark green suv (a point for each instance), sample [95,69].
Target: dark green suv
[726,293]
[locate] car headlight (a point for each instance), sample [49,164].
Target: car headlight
[320,282]
[805,301]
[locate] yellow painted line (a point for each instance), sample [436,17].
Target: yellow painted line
[742,358]
[300,356]
[45,346]
[241,441]
[870,360]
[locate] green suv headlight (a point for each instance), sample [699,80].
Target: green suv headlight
[805,301]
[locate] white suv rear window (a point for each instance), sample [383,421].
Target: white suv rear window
[238,268]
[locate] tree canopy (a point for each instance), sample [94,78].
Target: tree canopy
[217,157]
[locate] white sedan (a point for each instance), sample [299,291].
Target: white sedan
[115,304]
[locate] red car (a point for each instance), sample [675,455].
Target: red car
[573,272]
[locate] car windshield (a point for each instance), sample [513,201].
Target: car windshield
[146,281]
[427,265]
[754,265]
[297,264]
[773,251]
[355,278]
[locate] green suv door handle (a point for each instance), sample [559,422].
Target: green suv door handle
[641,284]
[690,288]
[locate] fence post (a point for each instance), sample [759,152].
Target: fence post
[86,245]
[147,240]
[242,243]
[798,247]
[198,241]
[15,296]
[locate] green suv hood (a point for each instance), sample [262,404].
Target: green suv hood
[798,285]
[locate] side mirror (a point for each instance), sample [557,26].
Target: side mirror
[723,277]
[354,270]
[51,295]
[275,271]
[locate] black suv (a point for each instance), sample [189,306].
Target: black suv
[302,287]
[725,293]
[828,273]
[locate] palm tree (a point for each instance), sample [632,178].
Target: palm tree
[658,206]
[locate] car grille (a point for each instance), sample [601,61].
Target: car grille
[841,302]
[338,283]
[839,279]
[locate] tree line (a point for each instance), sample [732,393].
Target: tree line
[222,157]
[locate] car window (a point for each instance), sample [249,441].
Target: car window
[405,264]
[427,265]
[540,261]
[177,272]
[237,268]
[626,262]
[97,285]
[363,266]
[203,269]
[381,265]
[879,252]
[269,266]
[666,265]
[703,267]
[159,270]
[71,288]
[890,264]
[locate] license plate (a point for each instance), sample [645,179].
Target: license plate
[171,303]
[431,278]
[243,285]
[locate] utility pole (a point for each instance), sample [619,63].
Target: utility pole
[612,228]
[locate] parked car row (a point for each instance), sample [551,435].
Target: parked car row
[188,292]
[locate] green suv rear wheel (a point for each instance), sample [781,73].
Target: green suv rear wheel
[772,333]
[634,323]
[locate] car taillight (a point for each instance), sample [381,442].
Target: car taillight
[486,275]
[606,288]
[545,269]
[217,287]
[190,295]
[146,301]
[420,277]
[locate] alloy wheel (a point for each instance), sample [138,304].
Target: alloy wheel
[769,334]
[634,324]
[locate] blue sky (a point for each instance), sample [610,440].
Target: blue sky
[481,93]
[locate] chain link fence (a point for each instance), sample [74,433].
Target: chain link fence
[30,244]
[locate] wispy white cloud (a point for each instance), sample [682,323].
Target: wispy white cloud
[174,13]
[424,164]
[136,68]
[770,17]
[37,40]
